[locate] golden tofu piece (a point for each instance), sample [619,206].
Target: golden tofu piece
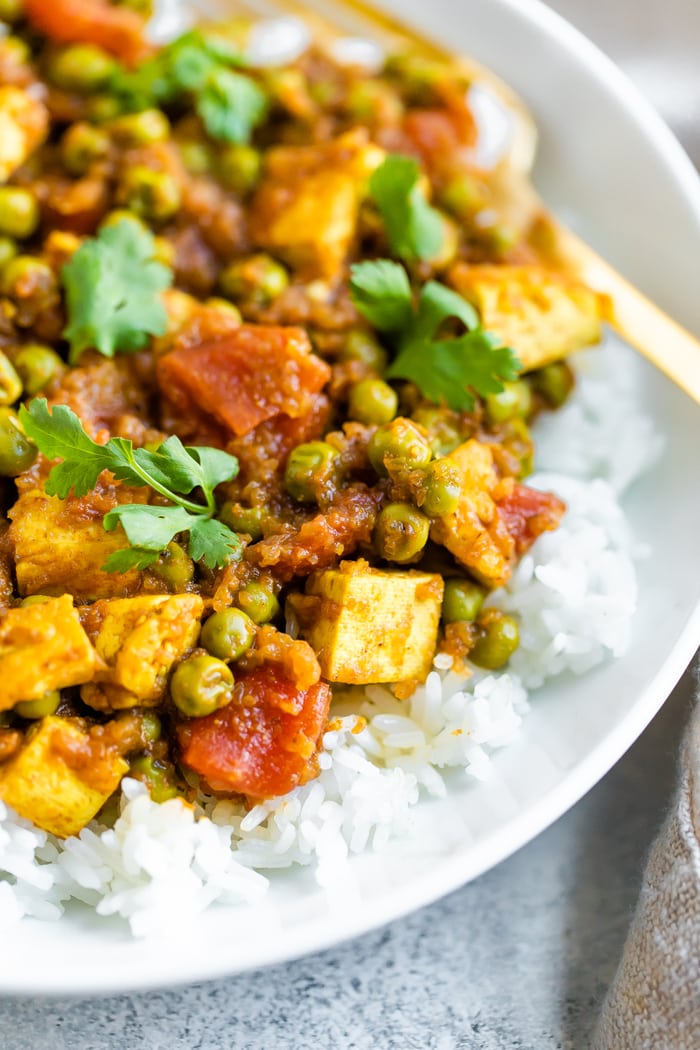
[474,532]
[542,315]
[49,782]
[57,551]
[42,647]
[138,640]
[308,203]
[370,625]
[24,125]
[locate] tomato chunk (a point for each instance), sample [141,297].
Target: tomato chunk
[116,29]
[244,378]
[528,512]
[440,135]
[261,744]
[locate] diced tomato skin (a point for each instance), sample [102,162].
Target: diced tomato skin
[439,135]
[527,512]
[254,373]
[116,29]
[253,746]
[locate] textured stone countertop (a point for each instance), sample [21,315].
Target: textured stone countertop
[518,959]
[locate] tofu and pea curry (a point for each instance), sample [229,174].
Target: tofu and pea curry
[268,359]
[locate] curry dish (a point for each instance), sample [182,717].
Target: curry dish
[269,353]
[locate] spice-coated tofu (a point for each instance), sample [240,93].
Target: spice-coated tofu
[58,551]
[307,206]
[24,124]
[543,316]
[474,532]
[369,625]
[42,647]
[49,782]
[137,641]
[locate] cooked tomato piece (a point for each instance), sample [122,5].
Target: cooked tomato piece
[440,134]
[244,378]
[261,744]
[118,30]
[527,513]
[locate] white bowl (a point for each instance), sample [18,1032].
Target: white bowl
[611,167]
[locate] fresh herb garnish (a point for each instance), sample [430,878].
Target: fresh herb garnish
[451,370]
[112,285]
[414,228]
[200,64]
[173,471]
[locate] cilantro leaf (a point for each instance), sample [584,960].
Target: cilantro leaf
[415,229]
[113,286]
[382,293]
[449,370]
[172,471]
[230,105]
[213,543]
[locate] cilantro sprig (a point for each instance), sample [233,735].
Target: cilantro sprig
[113,285]
[450,370]
[202,65]
[414,229]
[174,471]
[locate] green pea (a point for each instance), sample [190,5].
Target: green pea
[257,279]
[152,195]
[228,634]
[11,10]
[514,400]
[82,145]
[200,685]
[498,639]
[401,440]
[17,453]
[19,212]
[112,218]
[258,601]
[40,708]
[164,252]
[374,100]
[158,776]
[37,365]
[174,567]
[81,67]
[10,382]
[225,307]
[462,600]
[8,250]
[36,599]
[246,520]
[464,196]
[238,168]
[151,727]
[442,426]
[309,467]
[555,382]
[197,157]
[372,401]
[103,108]
[362,346]
[140,129]
[417,75]
[401,532]
[442,489]
[516,439]
[26,272]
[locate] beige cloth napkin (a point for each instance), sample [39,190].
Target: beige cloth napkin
[654,1001]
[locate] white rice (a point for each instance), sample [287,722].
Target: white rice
[575,594]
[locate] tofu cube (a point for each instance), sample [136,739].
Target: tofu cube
[42,647]
[48,782]
[24,124]
[474,533]
[307,206]
[137,641]
[57,551]
[542,315]
[370,625]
